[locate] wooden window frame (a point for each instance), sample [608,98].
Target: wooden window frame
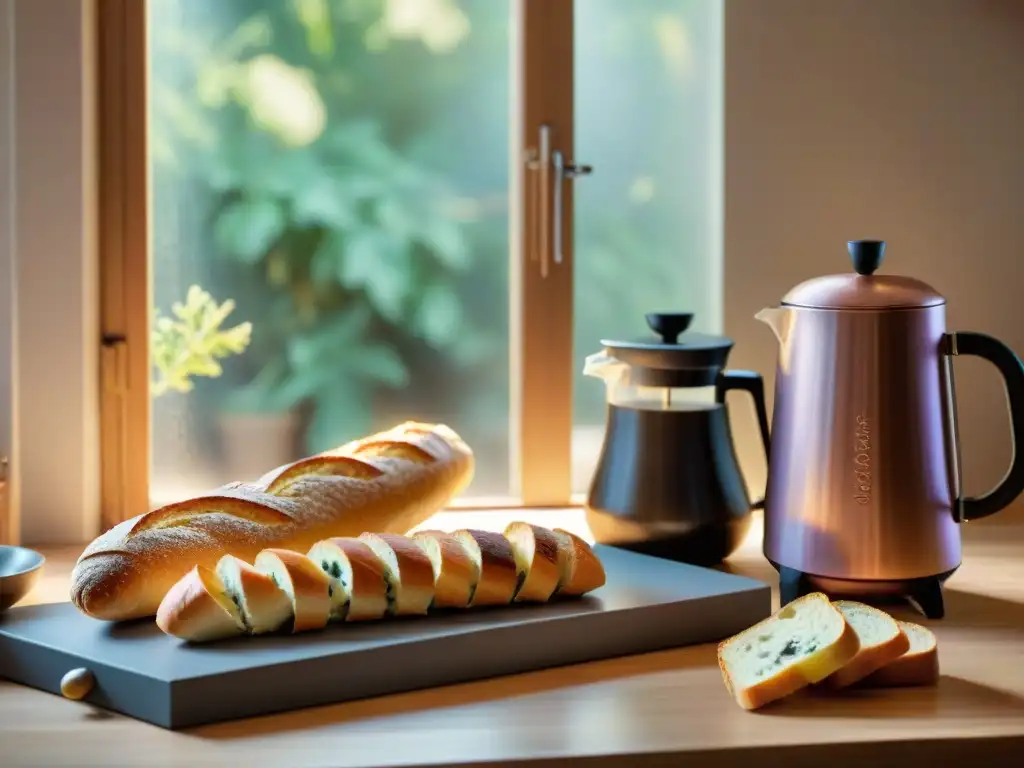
[125,293]
[541,305]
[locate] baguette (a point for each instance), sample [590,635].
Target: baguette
[387,483]
[455,574]
[495,561]
[881,638]
[307,587]
[801,644]
[407,570]
[359,591]
[536,552]
[197,608]
[580,570]
[343,579]
[918,666]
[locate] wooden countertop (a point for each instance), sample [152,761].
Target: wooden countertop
[660,709]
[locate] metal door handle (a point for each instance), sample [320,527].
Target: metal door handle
[545,195]
[563,171]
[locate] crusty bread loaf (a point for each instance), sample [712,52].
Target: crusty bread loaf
[536,552]
[306,585]
[455,574]
[580,570]
[263,605]
[802,643]
[918,666]
[386,483]
[200,607]
[408,571]
[881,642]
[359,591]
[492,555]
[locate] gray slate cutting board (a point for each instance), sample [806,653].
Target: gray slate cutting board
[648,604]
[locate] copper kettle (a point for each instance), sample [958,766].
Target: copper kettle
[864,484]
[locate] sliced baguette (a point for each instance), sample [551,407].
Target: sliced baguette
[881,642]
[408,571]
[455,574]
[389,482]
[198,609]
[580,571]
[802,643]
[359,591]
[536,553]
[306,585]
[263,605]
[492,554]
[918,666]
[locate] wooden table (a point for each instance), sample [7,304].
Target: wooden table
[660,709]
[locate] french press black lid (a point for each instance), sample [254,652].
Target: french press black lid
[677,358]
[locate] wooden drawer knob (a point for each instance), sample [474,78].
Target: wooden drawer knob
[77,683]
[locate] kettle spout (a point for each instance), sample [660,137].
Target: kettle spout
[778,319]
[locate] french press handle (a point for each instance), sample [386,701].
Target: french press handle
[748,381]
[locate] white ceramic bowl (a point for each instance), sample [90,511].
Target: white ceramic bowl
[20,569]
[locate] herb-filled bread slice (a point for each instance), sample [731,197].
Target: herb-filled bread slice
[918,666]
[580,570]
[408,571]
[263,605]
[536,552]
[455,574]
[881,642]
[359,591]
[197,608]
[491,553]
[802,643]
[306,585]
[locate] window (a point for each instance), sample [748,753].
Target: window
[346,227]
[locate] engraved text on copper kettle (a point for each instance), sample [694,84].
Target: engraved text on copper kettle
[862,461]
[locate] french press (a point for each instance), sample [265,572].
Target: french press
[668,482]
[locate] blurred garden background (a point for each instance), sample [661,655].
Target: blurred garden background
[334,176]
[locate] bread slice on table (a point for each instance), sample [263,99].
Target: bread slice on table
[918,666]
[492,554]
[536,552]
[197,608]
[263,605]
[580,570]
[408,571]
[306,585]
[881,641]
[802,643]
[455,574]
[359,591]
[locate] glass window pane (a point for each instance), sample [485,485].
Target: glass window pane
[338,171]
[648,223]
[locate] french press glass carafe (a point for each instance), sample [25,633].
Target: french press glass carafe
[668,482]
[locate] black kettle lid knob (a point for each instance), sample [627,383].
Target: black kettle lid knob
[866,255]
[669,325]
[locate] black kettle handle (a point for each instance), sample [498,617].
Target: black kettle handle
[751,382]
[1012,370]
